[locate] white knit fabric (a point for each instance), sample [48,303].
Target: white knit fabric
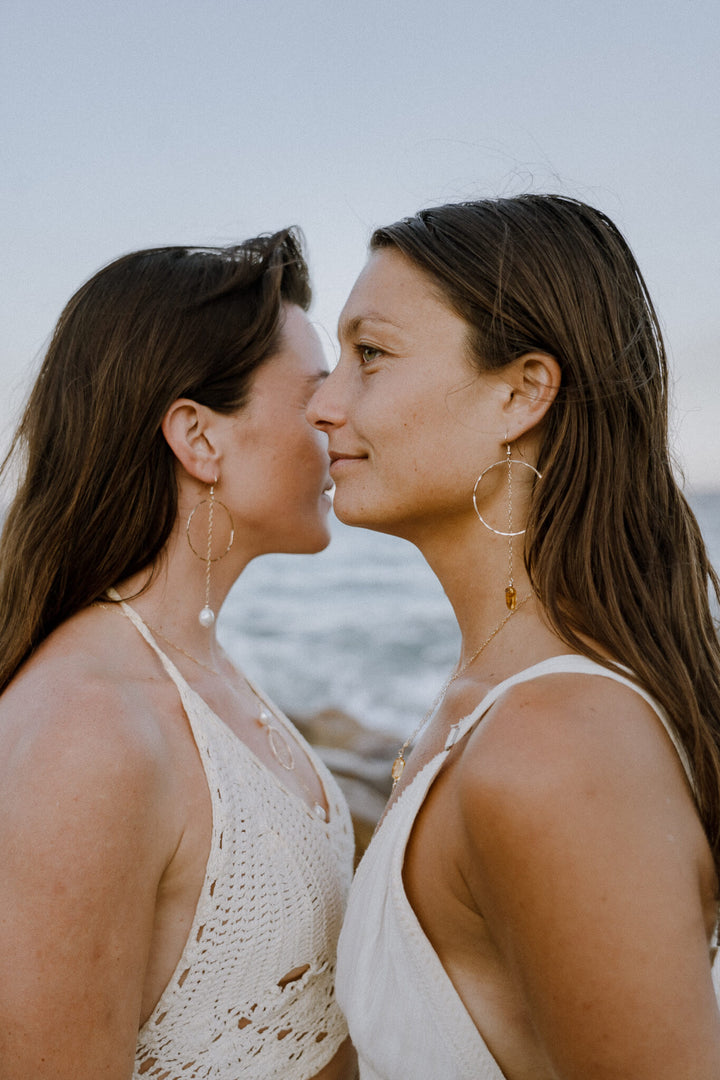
[406,1019]
[275,888]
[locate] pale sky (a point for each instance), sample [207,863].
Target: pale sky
[129,124]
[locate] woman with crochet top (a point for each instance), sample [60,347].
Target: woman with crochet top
[175,857]
[540,899]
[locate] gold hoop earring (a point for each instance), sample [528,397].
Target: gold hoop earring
[207,615]
[508,462]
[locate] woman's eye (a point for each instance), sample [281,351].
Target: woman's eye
[368,354]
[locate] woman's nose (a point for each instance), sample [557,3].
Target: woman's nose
[324,409]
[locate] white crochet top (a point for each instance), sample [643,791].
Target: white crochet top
[272,901]
[406,1018]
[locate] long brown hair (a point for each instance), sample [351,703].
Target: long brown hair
[612,548]
[97,497]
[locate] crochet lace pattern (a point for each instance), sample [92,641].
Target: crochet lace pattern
[253,992]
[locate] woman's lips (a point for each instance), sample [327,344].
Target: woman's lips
[338,461]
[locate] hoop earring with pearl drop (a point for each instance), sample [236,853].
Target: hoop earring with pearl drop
[207,615]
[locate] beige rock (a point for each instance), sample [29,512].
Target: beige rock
[360,761]
[332,727]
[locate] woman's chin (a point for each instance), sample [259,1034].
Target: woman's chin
[360,517]
[323,539]
[316,539]
[348,514]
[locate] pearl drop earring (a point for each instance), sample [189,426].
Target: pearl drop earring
[206,617]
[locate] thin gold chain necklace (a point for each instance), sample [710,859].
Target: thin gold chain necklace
[178,648]
[399,763]
[279,744]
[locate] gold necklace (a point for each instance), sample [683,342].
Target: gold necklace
[399,763]
[280,747]
[178,648]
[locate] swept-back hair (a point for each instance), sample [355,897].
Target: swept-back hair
[612,548]
[97,496]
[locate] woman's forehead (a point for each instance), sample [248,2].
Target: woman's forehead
[391,293]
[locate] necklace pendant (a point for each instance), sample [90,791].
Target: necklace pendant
[397,768]
[280,748]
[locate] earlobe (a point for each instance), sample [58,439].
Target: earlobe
[188,431]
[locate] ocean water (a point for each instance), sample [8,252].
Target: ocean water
[363,627]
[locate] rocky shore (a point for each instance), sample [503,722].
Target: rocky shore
[360,760]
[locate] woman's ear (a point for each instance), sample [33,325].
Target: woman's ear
[534,380]
[190,433]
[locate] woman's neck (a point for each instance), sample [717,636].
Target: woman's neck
[473,568]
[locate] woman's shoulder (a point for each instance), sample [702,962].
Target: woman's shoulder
[567,753]
[87,764]
[570,736]
[73,707]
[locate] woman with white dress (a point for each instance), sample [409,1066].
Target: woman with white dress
[175,858]
[540,899]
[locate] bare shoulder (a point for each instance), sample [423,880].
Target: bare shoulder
[67,701]
[70,724]
[582,734]
[573,779]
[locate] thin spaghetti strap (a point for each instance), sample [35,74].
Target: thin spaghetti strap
[459,731]
[570,663]
[143,630]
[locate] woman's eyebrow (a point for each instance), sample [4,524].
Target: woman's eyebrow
[351,326]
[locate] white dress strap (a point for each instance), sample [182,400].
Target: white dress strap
[569,664]
[144,631]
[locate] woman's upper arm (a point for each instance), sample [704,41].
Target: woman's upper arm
[589,866]
[81,860]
